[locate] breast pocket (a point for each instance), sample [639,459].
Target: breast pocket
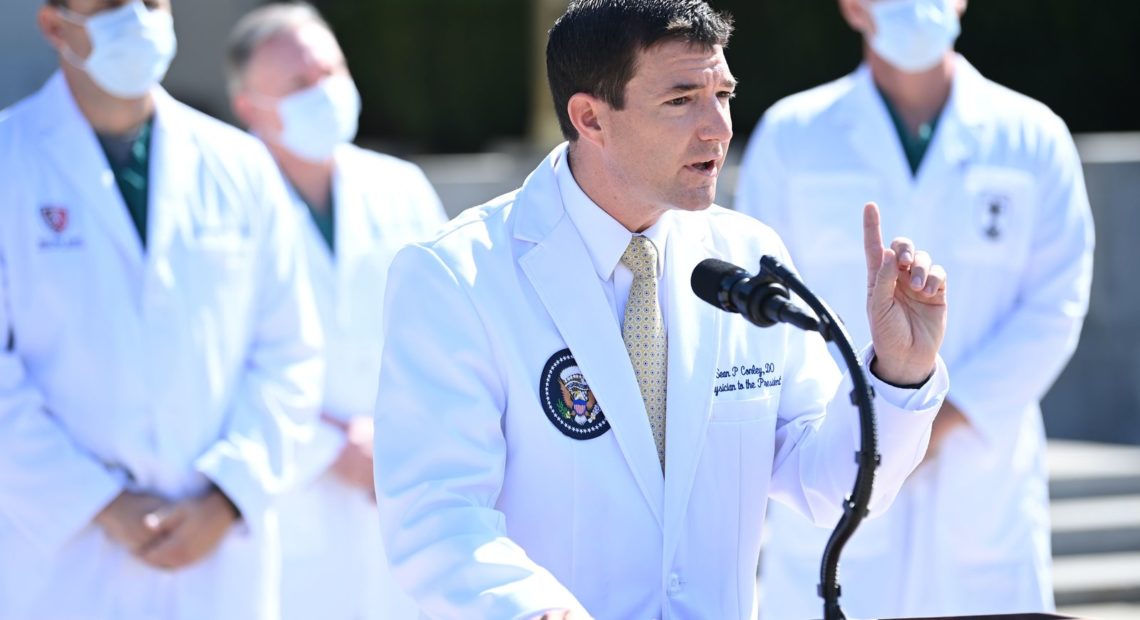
[826,216]
[993,224]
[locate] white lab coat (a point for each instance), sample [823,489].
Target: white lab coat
[969,533]
[333,559]
[159,371]
[489,511]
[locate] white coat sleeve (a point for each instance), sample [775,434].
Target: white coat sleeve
[761,190]
[1014,366]
[277,399]
[817,430]
[50,488]
[441,454]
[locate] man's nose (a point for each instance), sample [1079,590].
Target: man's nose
[716,122]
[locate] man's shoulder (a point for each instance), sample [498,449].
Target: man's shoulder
[377,162]
[810,107]
[21,117]
[486,227]
[211,134]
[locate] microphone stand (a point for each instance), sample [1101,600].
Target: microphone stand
[867,458]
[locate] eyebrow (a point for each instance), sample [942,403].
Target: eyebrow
[687,88]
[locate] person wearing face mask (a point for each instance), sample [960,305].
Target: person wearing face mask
[989,179]
[291,87]
[161,359]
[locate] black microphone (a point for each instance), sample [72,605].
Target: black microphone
[761,299]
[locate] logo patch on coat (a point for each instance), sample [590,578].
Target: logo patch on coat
[992,214]
[55,218]
[567,399]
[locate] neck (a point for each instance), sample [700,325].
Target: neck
[313,181]
[107,114]
[591,175]
[918,97]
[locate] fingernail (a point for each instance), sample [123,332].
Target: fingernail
[916,282]
[904,256]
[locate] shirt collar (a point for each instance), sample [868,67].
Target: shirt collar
[605,238]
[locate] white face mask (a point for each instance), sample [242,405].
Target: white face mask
[913,35]
[320,118]
[131,48]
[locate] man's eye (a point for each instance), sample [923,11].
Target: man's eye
[726,95]
[679,101]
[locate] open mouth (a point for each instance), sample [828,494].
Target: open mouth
[706,168]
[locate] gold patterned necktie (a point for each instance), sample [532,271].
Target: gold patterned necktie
[644,333]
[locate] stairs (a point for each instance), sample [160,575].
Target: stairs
[1095,491]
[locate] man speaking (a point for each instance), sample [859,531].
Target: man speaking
[555,433]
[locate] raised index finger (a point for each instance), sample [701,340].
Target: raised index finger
[872,241]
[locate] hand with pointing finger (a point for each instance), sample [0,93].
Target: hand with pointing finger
[906,305]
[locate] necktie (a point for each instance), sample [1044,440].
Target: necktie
[644,333]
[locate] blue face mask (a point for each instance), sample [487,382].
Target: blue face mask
[913,35]
[131,48]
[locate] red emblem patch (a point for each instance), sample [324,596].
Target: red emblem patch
[55,218]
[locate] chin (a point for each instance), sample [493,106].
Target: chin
[696,201]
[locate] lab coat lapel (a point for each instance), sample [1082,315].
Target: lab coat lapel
[869,128]
[70,141]
[693,349]
[561,272]
[174,168]
[356,233]
[956,137]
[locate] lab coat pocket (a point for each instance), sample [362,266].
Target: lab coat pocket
[826,214]
[994,224]
[738,456]
[734,411]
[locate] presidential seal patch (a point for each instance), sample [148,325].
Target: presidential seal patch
[567,399]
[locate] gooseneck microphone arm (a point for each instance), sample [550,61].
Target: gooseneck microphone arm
[867,458]
[763,300]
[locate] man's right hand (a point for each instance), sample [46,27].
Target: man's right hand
[123,520]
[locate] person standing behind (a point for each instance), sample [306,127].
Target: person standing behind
[160,356]
[290,85]
[989,180]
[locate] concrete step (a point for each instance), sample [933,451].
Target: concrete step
[1107,611]
[1096,525]
[1097,579]
[1086,469]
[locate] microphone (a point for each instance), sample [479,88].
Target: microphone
[761,299]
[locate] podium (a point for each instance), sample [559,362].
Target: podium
[1032,616]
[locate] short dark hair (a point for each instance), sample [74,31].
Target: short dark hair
[593,47]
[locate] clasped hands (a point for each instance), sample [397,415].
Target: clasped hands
[164,534]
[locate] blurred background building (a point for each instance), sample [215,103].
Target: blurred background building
[459,87]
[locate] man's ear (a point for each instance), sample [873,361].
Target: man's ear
[586,112]
[855,14]
[49,22]
[243,109]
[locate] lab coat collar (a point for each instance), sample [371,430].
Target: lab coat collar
[69,139]
[173,154]
[865,115]
[608,238]
[561,271]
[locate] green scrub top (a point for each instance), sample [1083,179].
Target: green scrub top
[129,157]
[914,146]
